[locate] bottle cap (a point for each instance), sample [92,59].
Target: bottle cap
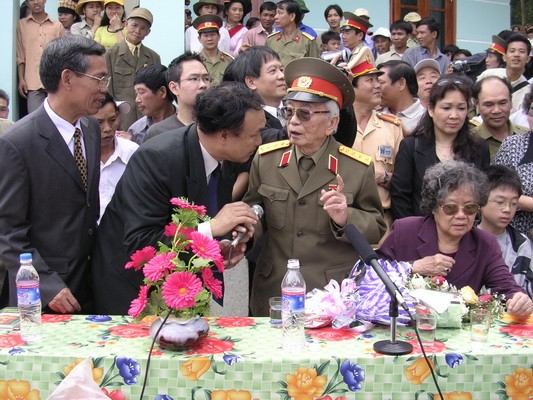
[25,257]
[293,263]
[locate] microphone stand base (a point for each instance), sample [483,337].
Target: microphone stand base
[390,348]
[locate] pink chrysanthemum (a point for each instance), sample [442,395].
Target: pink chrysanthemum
[211,283]
[158,266]
[180,289]
[170,229]
[201,210]
[205,247]
[138,305]
[141,257]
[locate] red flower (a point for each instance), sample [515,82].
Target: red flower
[213,284]
[138,305]
[11,340]
[518,330]
[205,247]
[180,289]
[201,210]
[330,334]
[159,266]
[141,257]
[130,331]
[437,347]
[485,298]
[115,394]
[438,280]
[210,345]
[56,318]
[234,322]
[170,229]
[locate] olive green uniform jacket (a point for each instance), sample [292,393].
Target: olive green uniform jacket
[299,45]
[295,223]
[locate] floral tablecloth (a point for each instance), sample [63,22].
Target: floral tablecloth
[242,359]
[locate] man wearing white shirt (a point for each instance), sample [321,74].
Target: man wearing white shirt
[49,187]
[192,41]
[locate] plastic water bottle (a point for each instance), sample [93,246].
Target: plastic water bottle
[29,300]
[293,308]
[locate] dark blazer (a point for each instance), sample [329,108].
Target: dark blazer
[44,209]
[478,260]
[415,156]
[168,165]
[122,67]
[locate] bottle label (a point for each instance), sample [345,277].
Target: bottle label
[28,293]
[293,301]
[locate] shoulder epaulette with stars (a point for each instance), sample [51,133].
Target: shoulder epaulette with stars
[389,118]
[268,147]
[349,152]
[308,36]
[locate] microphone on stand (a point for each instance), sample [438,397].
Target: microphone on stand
[258,210]
[369,257]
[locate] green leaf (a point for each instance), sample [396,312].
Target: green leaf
[471,357]
[501,384]
[339,390]
[282,392]
[324,366]
[283,384]
[4,362]
[60,375]
[97,362]
[418,393]
[412,358]
[115,384]
[108,374]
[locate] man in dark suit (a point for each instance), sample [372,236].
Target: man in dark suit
[126,58]
[50,162]
[177,163]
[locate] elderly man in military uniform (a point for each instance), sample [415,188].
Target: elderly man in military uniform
[291,43]
[378,135]
[310,186]
[215,61]
[353,33]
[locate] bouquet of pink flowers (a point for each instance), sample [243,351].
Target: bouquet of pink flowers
[179,277]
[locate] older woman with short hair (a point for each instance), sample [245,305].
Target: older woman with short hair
[445,242]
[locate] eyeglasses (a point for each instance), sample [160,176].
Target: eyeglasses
[502,204]
[196,80]
[303,114]
[447,81]
[452,209]
[103,81]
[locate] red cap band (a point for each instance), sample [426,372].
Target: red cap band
[317,87]
[356,25]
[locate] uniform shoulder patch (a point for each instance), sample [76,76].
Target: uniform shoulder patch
[268,147]
[356,155]
[308,36]
[228,55]
[389,118]
[474,123]
[274,34]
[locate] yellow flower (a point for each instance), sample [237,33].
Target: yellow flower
[418,371]
[19,390]
[304,384]
[468,295]
[195,367]
[231,395]
[97,372]
[508,318]
[454,396]
[519,385]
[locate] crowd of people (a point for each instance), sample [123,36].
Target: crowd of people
[428,152]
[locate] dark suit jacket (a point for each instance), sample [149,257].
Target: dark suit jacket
[478,261]
[168,165]
[44,209]
[415,156]
[122,67]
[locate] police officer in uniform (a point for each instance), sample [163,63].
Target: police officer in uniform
[291,43]
[378,135]
[310,186]
[215,61]
[353,33]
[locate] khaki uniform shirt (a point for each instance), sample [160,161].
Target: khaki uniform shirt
[359,53]
[297,226]
[32,38]
[381,141]
[216,68]
[494,144]
[299,45]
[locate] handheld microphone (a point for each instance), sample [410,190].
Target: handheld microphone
[258,210]
[369,257]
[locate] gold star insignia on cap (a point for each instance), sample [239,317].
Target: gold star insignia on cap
[304,82]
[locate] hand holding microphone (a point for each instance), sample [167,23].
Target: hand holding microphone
[258,210]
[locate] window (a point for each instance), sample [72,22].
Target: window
[443,11]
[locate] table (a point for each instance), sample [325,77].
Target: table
[242,359]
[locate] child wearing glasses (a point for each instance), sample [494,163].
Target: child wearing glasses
[505,190]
